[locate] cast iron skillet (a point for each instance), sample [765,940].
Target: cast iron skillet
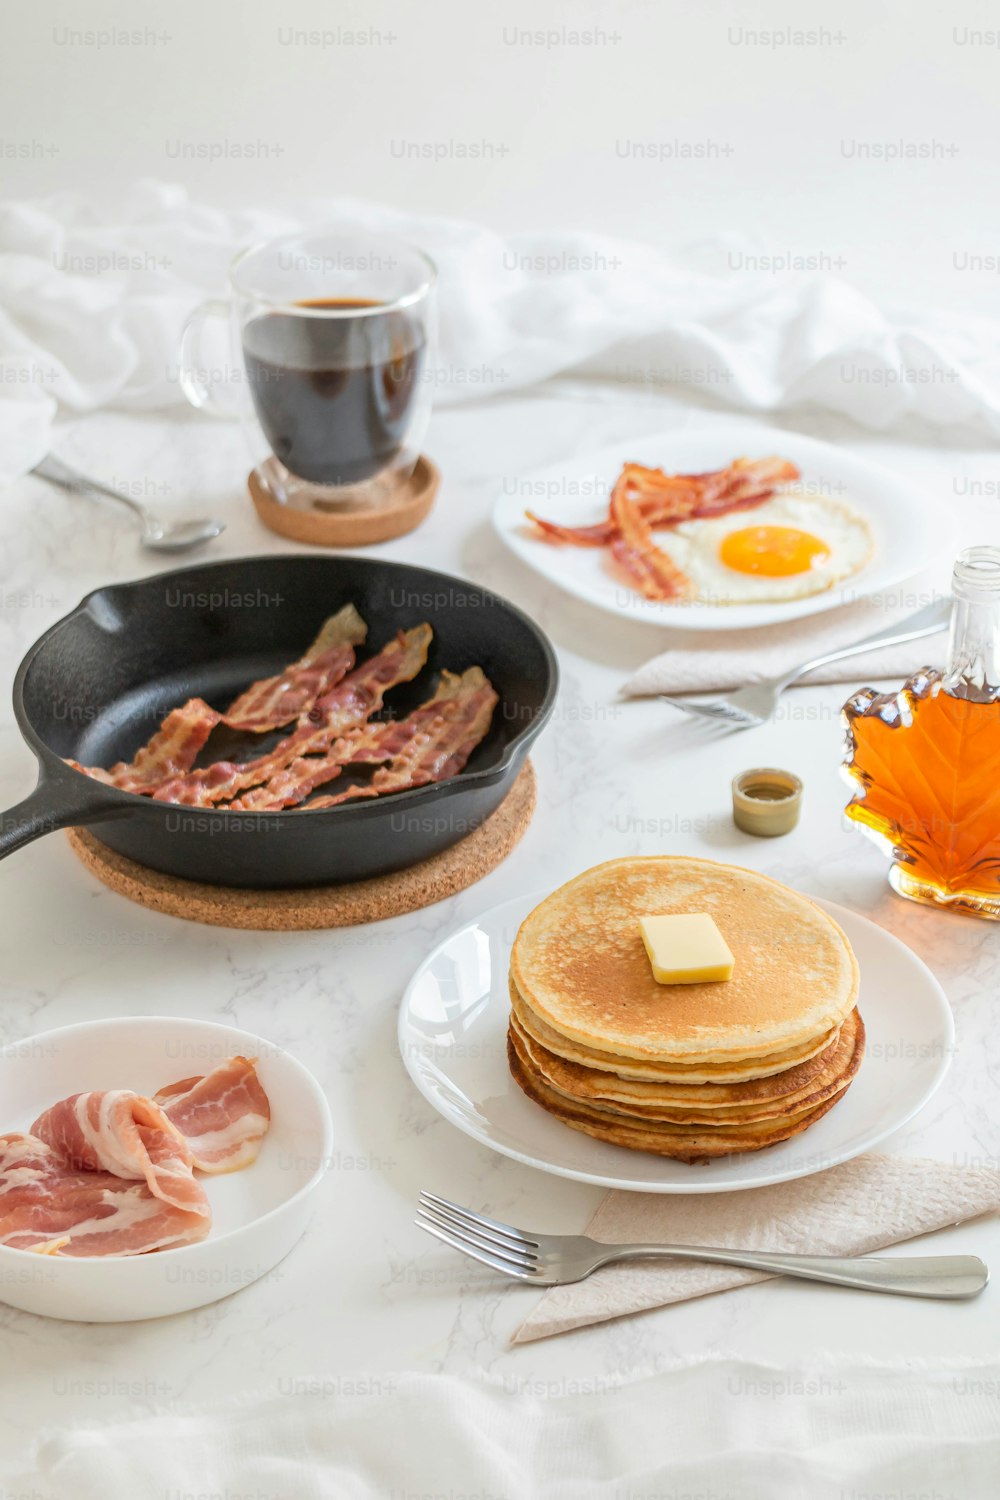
[97,684]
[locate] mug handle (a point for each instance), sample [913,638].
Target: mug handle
[191,383]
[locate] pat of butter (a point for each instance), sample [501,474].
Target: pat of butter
[686,948]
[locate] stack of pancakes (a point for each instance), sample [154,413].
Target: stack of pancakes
[690,1071]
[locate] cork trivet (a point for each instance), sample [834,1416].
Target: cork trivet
[352,528]
[301,908]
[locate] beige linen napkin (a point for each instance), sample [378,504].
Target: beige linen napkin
[852,1209]
[713,661]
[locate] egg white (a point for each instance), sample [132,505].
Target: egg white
[694,547]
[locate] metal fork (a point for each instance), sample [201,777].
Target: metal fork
[753,705]
[557,1259]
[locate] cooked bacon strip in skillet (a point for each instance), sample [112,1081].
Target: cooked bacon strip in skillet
[444,748]
[172,750]
[267,704]
[293,781]
[51,1208]
[633,548]
[126,1134]
[667,499]
[222,1116]
[278,700]
[439,747]
[362,693]
[345,707]
[376,742]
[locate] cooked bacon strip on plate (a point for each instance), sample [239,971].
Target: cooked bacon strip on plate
[278,700]
[667,499]
[663,499]
[655,574]
[51,1208]
[223,1115]
[128,1135]
[747,482]
[577,536]
[345,707]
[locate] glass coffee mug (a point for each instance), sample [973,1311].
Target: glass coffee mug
[332,336]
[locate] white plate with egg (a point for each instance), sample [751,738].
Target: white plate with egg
[453,1041]
[853,528]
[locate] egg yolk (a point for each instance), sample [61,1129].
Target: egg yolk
[773,551]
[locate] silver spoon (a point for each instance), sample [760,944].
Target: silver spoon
[156,534]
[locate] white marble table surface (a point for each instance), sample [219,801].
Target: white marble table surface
[365,1293]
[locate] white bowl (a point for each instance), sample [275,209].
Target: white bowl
[258,1214]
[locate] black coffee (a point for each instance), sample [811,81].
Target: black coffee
[334,395]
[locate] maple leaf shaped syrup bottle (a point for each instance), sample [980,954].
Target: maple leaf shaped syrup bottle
[925,762]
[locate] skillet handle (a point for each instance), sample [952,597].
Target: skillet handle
[52,805]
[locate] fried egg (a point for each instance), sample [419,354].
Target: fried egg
[791,546]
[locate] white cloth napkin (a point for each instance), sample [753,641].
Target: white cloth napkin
[92,304]
[852,1209]
[717,1428]
[703,661]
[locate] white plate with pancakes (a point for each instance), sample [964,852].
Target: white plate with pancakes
[868,530]
[454,1020]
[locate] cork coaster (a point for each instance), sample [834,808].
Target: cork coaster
[308,907]
[352,528]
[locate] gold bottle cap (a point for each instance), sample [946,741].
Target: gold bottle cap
[766,801]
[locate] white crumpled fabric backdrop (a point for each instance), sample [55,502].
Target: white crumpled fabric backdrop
[91,308]
[714,1428]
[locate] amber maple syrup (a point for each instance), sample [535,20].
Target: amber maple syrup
[925,762]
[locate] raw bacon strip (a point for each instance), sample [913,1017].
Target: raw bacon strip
[440,746]
[653,572]
[345,707]
[376,742]
[278,700]
[222,1116]
[50,1208]
[128,1135]
[172,750]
